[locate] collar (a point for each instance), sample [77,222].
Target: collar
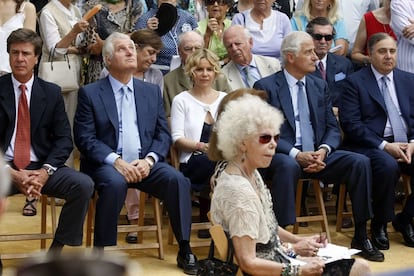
[323,60]
[251,64]
[291,80]
[378,75]
[117,85]
[28,84]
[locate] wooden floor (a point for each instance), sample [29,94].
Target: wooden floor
[146,262]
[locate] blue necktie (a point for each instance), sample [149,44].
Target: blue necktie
[131,143]
[249,78]
[304,120]
[395,120]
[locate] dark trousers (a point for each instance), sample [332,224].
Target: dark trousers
[163,182]
[76,188]
[341,167]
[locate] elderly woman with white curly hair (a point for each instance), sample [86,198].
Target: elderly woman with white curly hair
[245,136]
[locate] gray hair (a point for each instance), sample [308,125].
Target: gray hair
[242,118]
[4,178]
[108,47]
[182,37]
[246,31]
[292,43]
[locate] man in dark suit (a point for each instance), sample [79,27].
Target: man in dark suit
[309,139]
[35,137]
[125,146]
[330,67]
[377,117]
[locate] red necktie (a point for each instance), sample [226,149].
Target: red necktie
[322,70]
[22,142]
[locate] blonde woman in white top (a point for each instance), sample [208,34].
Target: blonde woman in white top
[193,114]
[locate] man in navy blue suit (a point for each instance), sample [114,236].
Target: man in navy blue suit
[309,139]
[330,67]
[377,117]
[125,146]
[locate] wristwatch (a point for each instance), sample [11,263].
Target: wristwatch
[49,169]
[150,161]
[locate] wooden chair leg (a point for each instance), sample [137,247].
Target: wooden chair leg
[341,213]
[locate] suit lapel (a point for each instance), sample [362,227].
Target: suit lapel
[234,77]
[184,80]
[313,97]
[37,104]
[108,99]
[372,88]
[141,105]
[285,99]
[400,91]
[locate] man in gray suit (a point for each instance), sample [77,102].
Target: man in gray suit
[245,68]
[177,81]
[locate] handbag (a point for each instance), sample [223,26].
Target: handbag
[64,73]
[214,266]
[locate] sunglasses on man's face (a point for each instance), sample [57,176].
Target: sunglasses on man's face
[266,138]
[319,37]
[212,2]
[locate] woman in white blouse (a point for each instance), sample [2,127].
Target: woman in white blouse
[61,25]
[193,113]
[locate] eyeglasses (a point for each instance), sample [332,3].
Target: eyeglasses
[319,37]
[266,138]
[191,49]
[212,2]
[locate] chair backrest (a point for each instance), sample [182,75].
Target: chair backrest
[220,241]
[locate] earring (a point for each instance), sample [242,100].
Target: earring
[243,158]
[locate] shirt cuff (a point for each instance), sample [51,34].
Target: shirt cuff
[110,159]
[154,156]
[382,145]
[293,152]
[327,147]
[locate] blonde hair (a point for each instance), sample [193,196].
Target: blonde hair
[333,14]
[193,61]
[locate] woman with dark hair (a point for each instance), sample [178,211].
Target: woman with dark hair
[114,16]
[213,27]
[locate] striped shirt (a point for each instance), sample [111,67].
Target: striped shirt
[401,12]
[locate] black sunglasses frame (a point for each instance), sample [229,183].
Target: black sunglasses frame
[319,37]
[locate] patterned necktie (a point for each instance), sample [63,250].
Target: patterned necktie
[395,120]
[304,120]
[249,78]
[322,70]
[130,137]
[22,140]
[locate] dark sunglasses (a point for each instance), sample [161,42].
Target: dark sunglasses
[212,2]
[319,37]
[266,138]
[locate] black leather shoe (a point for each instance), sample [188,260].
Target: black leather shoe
[131,238]
[347,223]
[368,251]
[188,263]
[379,236]
[406,230]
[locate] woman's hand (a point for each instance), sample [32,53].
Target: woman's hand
[96,48]
[213,24]
[152,23]
[315,267]
[308,247]
[80,27]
